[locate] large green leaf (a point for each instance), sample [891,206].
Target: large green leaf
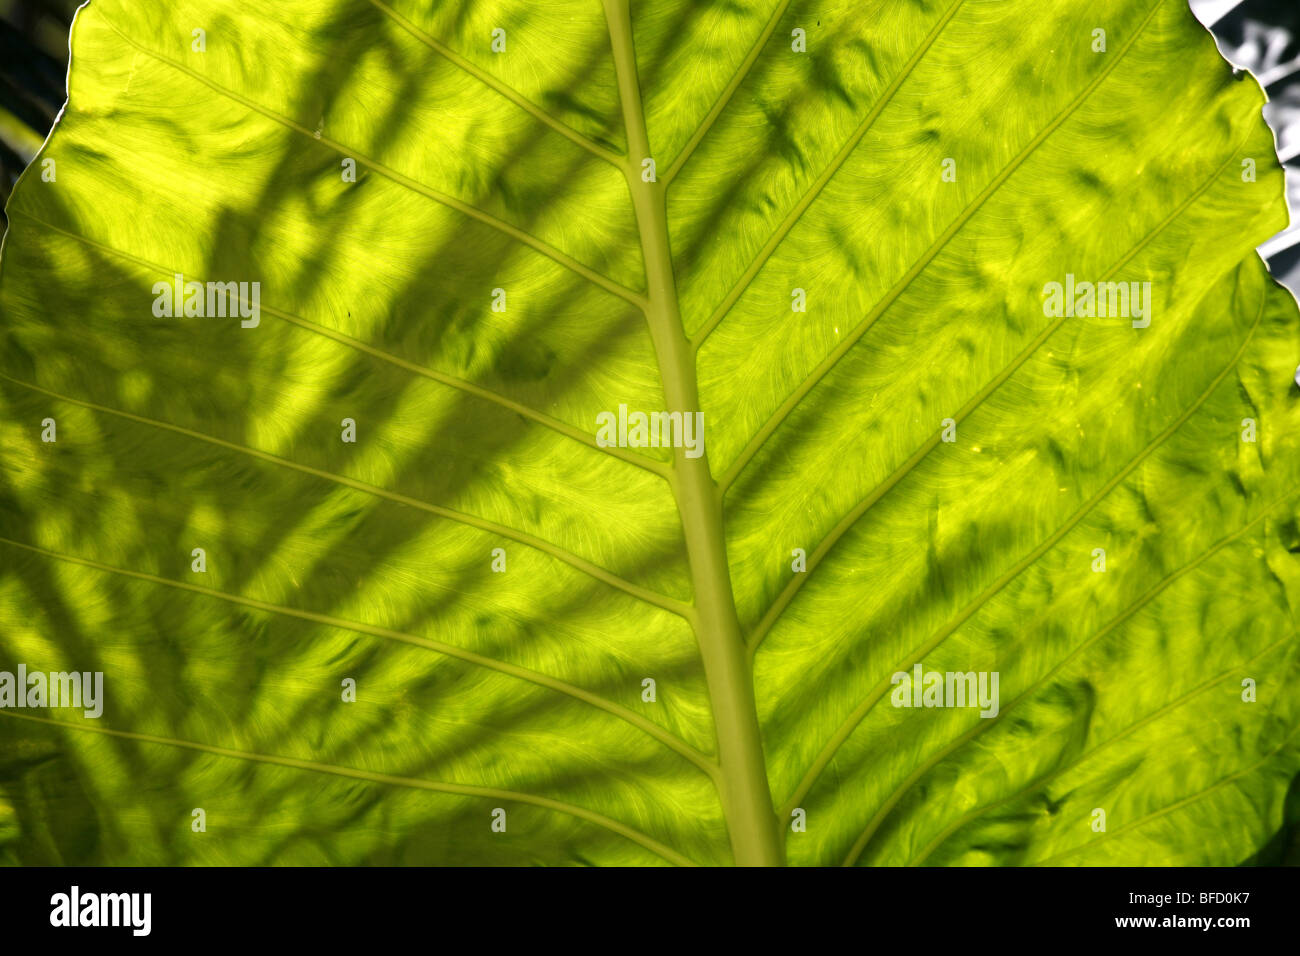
[777,170]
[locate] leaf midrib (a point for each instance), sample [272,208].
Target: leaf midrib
[699,496]
[743,787]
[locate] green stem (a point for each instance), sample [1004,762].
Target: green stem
[742,783]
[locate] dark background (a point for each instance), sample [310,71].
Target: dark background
[1263,36]
[33,66]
